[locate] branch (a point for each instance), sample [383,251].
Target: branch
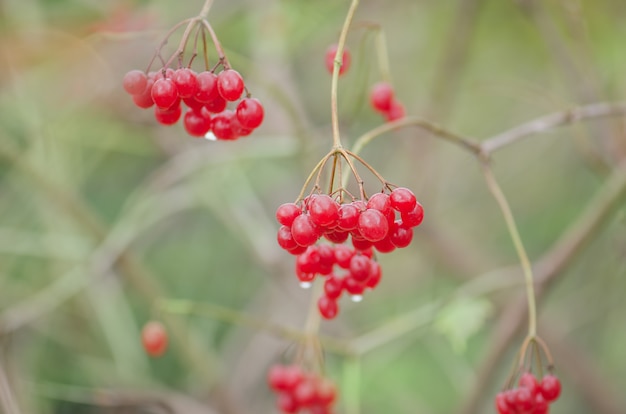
[557,119]
[547,269]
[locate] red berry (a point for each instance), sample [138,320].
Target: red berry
[360,268]
[396,111]
[154,338]
[186,82]
[206,90]
[287,212]
[325,391]
[286,403]
[222,126]
[337,236]
[353,287]
[528,380]
[284,377]
[380,202]
[305,232]
[164,93]
[250,113]
[216,105]
[541,405]
[230,85]
[501,405]
[524,400]
[196,123]
[144,99]
[193,103]
[550,387]
[361,244]
[167,116]
[285,239]
[373,225]
[343,255]
[375,275]
[381,97]
[305,393]
[400,235]
[402,200]
[328,307]
[385,245]
[414,217]
[333,286]
[135,82]
[324,211]
[346,58]
[348,217]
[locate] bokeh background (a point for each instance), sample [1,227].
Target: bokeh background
[106,215]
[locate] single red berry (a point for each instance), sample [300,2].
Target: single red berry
[343,255]
[373,225]
[287,212]
[135,82]
[524,400]
[528,380]
[144,99]
[333,286]
[206,89]
[305,393]
[216,105]
[376,274]
[168,116]
[325,391]
[286,403]
[285,239]
[154,338]
[336,236]
[309,261]
[250,113]
[381,96]
[348,217]
[284,377]
[396,111]
[230,85]
[414,217]
[541,405]
[193,103]
[186,82]
[196,123]
[502,406]
[550,387]
[353,287]
[324,211]
[346,58]
[385,245]
[305,232]
[164,93]
[328,307]
[222,126]
[361,244]
[380,202]
[360,268]
[403,200]
[400,235]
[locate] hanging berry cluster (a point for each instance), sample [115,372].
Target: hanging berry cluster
[299,390]
[532,395]
[206,95]
[382,222]
[383,101]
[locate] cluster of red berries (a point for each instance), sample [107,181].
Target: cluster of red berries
[531,396]
[154,338]
[370,224]
[383,100]
[206,96]
[301,391]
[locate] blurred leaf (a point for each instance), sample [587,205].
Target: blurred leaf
[462,318]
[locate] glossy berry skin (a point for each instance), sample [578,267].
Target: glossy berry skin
[206,89]
[414,217]
[348,217]
[402,199]
[396,111]
[164,93]
[550,387]
[168,116]
[230,85]
[502,407]
[250,113]
[196,124]
[186,82]
[373,225]
[222,126]
[305,232]
[323,210]
[381,97]
[329,59]
[528,380]
[135,82]
[287,212]
[144,99]
[154,338]
[400,235]
[328,307]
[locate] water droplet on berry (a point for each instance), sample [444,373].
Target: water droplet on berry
[356,298]
[210,136]
[306,285]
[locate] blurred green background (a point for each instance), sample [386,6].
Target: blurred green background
[103,213]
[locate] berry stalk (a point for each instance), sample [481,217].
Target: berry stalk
[497,193]
[336,68]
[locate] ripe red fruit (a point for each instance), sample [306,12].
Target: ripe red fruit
[223,127]
[230,85]
[206,89]
[541,405]
[286,403]
[186,82]
[284,377]
[167,116]
[501,404]
[135,82]
[400,235]
[550,387]
[524,400]
[196,123]
[381,97]
[144,99]
[402,199]
[287,212]
[305,232]
[360,268]
[373,225]
[329,59]
[396,111]
[164,93]
[528,380]
[324,211]
[376,274]
[250,113]
[414,217]
[333,286]
[154,338]
[328,307]
[285,239]
[348,217]
[380,202]
[216,105]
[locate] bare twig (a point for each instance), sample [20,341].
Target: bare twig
[545,123]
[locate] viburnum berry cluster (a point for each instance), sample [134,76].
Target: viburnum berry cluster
[383,100]
[205,95]
[298,390]
[531,396]
[352,231]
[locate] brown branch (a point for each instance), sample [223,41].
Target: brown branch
[547,269]
[545,123]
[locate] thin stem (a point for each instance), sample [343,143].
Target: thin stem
[335,78]
[467,143]
[497,193]
[180,51]
[333,172]
[205,9]
[218,46]
[318,167]
[355,172]
[157,53]
[205,52]
[369,167]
